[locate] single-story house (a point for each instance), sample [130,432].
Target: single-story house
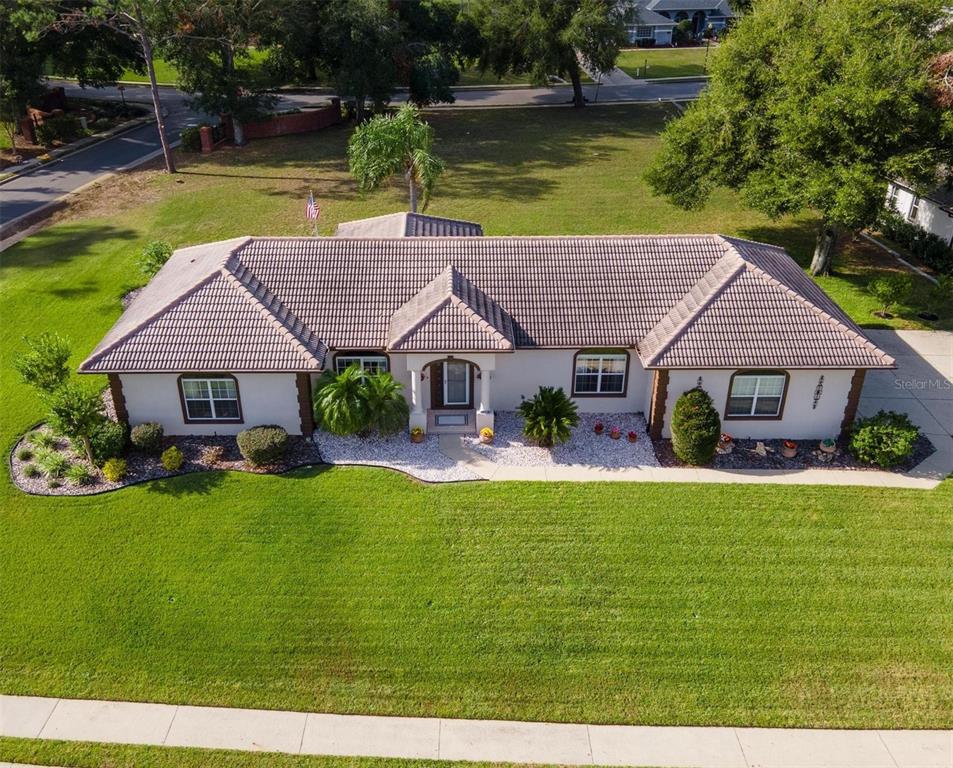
[648,28]
[652,21]
[408,225]
[234,334]
[932,212]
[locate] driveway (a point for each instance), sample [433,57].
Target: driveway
[921,387]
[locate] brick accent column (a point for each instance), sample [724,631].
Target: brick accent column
[853,400]
[305,407]
[659,398]
[205,136]
[119,399]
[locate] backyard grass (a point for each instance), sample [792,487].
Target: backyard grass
[90,755]
[663,62]
[358,590]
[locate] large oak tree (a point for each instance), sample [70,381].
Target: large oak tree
[814,104]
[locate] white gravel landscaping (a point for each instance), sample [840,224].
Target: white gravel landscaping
[422,460]
[510,448]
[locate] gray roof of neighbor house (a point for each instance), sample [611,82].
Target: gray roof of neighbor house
[649,18]
[680,301]
[407,225]
[689,6]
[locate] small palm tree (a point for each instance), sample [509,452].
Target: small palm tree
[389,144]
[549,417]
[339,405]
[384,404]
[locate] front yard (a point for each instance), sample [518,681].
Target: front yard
[358,590]
[663,62]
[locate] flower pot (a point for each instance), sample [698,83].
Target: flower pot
[615,435]
[632,438]
[417,437]
[598,429]
[485,439]
[789,451]
[827,446]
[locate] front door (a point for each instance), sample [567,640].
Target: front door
[456,384]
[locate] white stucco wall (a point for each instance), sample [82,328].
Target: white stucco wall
[800,420]
[929,215]
[266,398]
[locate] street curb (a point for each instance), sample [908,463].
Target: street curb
[609,103]
[10,229]
[77,147]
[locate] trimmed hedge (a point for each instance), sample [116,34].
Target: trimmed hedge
[172,459]
[930,249]
[107,442]
[886,439]
[147,437]
[114,470]
[263,445]
[696,427]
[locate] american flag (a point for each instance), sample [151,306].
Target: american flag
[312,210]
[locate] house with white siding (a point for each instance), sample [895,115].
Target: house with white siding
[234,334]
[932,212]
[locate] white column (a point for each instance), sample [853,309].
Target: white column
[485,392]
[415,399]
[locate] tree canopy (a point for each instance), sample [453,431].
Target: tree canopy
[548,37]
[814,104]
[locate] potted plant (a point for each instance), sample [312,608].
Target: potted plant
[827,445]
[599,428]
[486,435]
[615,433]
[726,443]
[416,435]
[632,436]
[789,449]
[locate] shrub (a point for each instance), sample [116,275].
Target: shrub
[147,437]
[172,459]
[385,408]
[696,427]
[932,250]
[891,289]
[154,256]
[52,463]
[24,454]
[79,474]
[339,404]
[108,441]
[549,417]
[31,470]
[114,470]
[64,128]
[191,138]
[212,455]
[77,412]
[263,445]
[45,364]
[887,439]
[941,295]
[40,439]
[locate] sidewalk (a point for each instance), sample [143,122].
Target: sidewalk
[487,740]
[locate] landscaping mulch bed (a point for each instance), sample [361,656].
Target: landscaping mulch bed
[743,456]
[141,467]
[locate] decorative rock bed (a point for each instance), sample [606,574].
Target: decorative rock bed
[141,467]
[809,456]
[421,460]
[510,448]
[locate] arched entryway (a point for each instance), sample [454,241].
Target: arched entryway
[452,383]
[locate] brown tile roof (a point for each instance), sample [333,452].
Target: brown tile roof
[450,312]
[407,225]
[687,300]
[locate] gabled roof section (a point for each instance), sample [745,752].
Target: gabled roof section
[450,313]
[407,225]
[755,307]
[205,311]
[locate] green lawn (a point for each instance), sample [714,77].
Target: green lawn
[358,590]
[663,62]
[89,755]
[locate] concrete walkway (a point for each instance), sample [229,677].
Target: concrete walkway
[490,740]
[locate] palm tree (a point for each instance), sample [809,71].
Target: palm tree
[339,405]
[385,407]
[550,417]
[389,144]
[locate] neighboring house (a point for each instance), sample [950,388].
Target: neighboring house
[233,334]
[932,212]
[654,20]
[407,225]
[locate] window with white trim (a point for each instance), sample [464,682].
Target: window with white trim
[914,208]
[370,364]
[600,373]
[756,394]
[892,191]
[211,399]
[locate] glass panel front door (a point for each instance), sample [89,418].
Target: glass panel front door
[456,383]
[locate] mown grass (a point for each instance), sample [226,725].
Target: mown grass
[662,62]
[90,755]
[362,591]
